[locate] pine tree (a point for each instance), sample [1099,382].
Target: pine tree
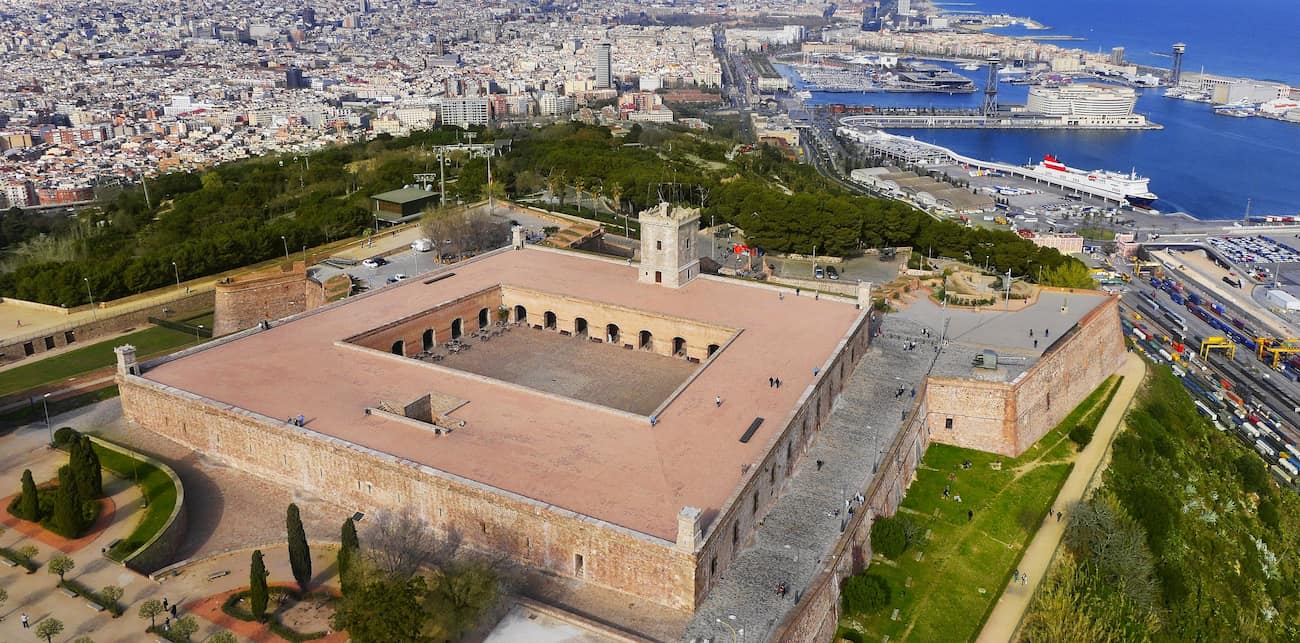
[347,554]
[67,519]
[257,592]
[76,465]
[29,507]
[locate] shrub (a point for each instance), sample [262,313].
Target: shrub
[1081,434]
[865,594]
[889,536]
[1252,473]
[1268,514]
[845,634]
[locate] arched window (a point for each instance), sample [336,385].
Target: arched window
[579,327]
[611,333]
[521,314]
[645,340]
[399,347]
[713,348]
[457,328]
[426,340]
[679,346]
[548,320]
[482,318]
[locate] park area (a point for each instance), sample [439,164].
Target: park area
[960,532]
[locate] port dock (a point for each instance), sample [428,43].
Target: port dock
[971,119]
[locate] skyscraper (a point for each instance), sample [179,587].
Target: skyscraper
[604,79]
[365,6]
[293,78]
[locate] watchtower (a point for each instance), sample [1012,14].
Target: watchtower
[126,363]
[668,252]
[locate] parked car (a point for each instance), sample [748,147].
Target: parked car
[422,245]
[374,262]
[832,272]
[396,278]
[819,272]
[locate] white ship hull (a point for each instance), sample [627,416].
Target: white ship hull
[1112,186]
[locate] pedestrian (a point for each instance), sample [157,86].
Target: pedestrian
[164,602]
[816,370]
[302,421]
[819,465]
[1031,332]
[914,392]
[771,382]
[26,625]
[1015,575]
[1024,579]
[778,382]
[1035,343]
[780,296]
[1058,516]
[1047,332]
[173,610]
[717,401]
[970,515]
[796,292]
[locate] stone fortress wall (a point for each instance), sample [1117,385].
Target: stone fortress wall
[1009,417]
[245,301]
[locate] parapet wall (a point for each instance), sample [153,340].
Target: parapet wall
[529,532]
[1008,417]
[279,292]
[161,549]
[110,320]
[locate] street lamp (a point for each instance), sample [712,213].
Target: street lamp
[177,270]
[45,401]
[91,295]
[286,246]
[198,329]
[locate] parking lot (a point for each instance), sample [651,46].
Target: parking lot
[1252,250]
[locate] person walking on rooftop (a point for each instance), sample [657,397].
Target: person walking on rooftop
[302,421]
[717,401]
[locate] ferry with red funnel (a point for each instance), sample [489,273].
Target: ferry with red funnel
[1113,186]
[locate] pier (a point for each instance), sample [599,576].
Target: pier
[971,119]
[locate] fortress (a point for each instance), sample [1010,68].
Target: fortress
[597,419]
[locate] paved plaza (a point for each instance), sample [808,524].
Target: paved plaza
[636,381]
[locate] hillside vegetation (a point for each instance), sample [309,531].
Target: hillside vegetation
[1188,539]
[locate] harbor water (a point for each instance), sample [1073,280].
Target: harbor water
[1203,164]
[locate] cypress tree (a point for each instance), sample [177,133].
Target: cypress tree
[257,593]
[92,471]
[347,554]
[67,519]
[29,507]
[299,552]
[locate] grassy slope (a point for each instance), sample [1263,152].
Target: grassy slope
[158,489]
[966,564]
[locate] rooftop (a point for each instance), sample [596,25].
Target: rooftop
[971,331]
[404,195]
[526,436]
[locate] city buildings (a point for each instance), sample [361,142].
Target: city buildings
[604,76]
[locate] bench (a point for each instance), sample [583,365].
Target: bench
[8,562]
[67,592]
[215,575]
[95,606]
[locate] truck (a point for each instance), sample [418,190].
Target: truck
[422,245]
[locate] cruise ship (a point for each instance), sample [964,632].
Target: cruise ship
[1114,186]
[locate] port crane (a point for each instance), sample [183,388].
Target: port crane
[1222,343]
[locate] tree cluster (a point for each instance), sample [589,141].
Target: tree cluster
[70,507]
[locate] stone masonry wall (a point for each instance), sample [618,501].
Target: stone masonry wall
[271,294]
[1007,418]
[732,528]
[109,322]
[531,533]
[413,331]
[818,613]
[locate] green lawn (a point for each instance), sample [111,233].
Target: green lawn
[965,564]
[158,489]
[148,342]
[36,412]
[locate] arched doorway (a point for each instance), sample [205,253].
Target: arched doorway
[645,340]
[426,340]
[611,333]
[482,318]
[579,327]
[679,346]
[548,320]
[521,314]
[399,347]
[713,348]
[457,328]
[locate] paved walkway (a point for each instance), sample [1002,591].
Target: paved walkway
[800,530]
[1010,610]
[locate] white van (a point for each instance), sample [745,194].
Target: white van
[422,245]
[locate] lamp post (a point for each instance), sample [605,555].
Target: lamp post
[45,401]
[197,330]
[92,297]
[177,270]
[286,246]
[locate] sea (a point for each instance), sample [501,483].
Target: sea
[1206,165]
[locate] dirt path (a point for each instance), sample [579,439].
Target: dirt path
[1004,621]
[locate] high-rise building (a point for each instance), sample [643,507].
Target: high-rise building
[904,7]
[19,193]
[1117,56]
[309,16]
[464,112]
[604,77]
[365,6]
[293,78]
